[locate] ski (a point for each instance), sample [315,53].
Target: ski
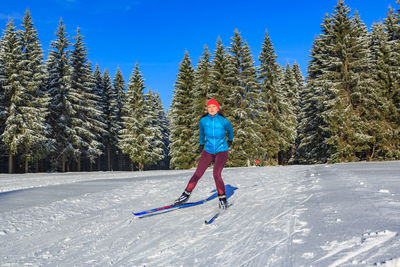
[166,208]
[153,210]
[212,219]
[216,215]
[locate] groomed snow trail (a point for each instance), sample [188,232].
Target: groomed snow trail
[322,215]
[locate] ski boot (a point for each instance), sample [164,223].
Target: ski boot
[223,203]
[183,198]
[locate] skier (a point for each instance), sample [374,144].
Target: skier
[213,148]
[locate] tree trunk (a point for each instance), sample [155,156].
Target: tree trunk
[10,164]
[120,161]
[79,163]
[63,163]
[26,165]
[109,158]
[36,165]
[141,166]
[372,153]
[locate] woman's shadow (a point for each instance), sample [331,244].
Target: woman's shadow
[229,191]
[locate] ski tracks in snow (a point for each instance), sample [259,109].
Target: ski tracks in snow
[349,249]
[279,196]
[79,230]
[371,237]
[323,215]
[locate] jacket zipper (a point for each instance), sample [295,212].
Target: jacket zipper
[215,152]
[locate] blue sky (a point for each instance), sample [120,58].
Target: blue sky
[156,33]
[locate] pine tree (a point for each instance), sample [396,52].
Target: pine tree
[155,151]
[164,128]
[289,85]
[11,62]
[222,78]
[201,93]
[202,90]
[111,119]
[220,81]
[289,111]
[272,103]
[243,104]
[392,23]
[299,88]
[99,91]
[340,128]
[313,102]
[134,138]
[364,99]
[36,104]
[182,151]
[386,78]
[99,86]
[25,132]
[61,108]
[352,121]
[337,83]
[4,100]
[120,88]
[84,101]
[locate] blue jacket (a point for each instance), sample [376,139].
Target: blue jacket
[213,131]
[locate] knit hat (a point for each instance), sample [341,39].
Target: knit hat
[213,102]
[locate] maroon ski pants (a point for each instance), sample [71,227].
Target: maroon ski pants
[205,160]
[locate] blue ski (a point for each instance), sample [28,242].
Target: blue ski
[212,219]
[168,207]
[216,215]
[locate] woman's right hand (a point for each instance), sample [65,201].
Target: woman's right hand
[200,149]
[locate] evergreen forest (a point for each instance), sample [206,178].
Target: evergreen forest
[64,114]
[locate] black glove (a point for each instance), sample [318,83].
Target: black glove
[229,143]
[200,149]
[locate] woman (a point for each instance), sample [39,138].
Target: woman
[213,147]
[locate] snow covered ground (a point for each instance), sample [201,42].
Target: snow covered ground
[322,215]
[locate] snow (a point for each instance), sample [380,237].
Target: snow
[319,215]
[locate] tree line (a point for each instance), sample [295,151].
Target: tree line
[60,115]
[346,110]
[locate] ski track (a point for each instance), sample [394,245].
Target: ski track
[322,215]
[355,246]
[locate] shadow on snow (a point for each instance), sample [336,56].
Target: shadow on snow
[229,191]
